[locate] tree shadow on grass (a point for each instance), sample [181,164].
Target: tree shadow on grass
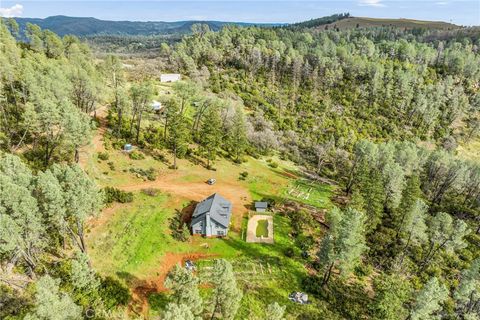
[158,301]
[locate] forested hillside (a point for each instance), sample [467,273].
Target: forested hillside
[369,118]
[86,26]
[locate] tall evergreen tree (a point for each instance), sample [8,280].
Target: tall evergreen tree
[391,293]
[51,303]
[177,131]
[236,141]
[185,289]
[226,295]
[210,137]
[428,300]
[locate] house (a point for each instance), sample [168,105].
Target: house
[170,77]
[261,206]
[211,217]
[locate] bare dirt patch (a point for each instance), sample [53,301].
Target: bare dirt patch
[197,191]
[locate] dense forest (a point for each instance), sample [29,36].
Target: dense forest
[377,112]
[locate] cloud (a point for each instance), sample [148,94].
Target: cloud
[441,3]
[13,11]
[371,3]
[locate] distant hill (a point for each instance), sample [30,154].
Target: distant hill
[81,27]
[362,22]
[88,27]
[320,21]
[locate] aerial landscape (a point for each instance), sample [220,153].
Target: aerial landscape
[188,160]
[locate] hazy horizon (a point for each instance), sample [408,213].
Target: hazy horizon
[459,12]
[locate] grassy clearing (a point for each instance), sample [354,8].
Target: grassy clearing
[470,151]
[262,228]
[137,238]
[308,192]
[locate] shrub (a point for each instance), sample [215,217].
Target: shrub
[103,156]
[135,155]
[113,293]
[111,165]
[243,175]
[149,174]
[273,164]
[180,230]
[117,195]
[289,252]
[150,192]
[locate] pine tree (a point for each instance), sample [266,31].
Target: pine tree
[345,242]
[177,131]
[445,234]
[410,195]
[226,296]
[237,137]
[210,137]
[175,311]
[185,289]
[428,300]
[467,294]
[82,275]
[51,303]
[391,292]
[374,196]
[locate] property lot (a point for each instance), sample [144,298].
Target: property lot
[132,242]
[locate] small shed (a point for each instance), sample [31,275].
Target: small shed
[261,206]
[170,77]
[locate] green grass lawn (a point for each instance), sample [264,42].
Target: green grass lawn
[262,228]
[308,192]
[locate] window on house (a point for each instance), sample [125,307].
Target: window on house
[220,233]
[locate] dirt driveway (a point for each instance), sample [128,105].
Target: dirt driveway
[252,229]
[197,191]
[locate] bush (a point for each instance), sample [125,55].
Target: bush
[111,165]
[103,156]
[135,155]
[243,175]
[273,164]
[180,230]
[289,252]
[151,192]
[117,195]
[113,293]
[149,174]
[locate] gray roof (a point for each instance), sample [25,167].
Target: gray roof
[261,204]
[220,210]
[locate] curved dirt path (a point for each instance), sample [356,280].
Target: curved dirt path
[96,144]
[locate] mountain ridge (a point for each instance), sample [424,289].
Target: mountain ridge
[91,26]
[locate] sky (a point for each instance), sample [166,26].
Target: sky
[462,12]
